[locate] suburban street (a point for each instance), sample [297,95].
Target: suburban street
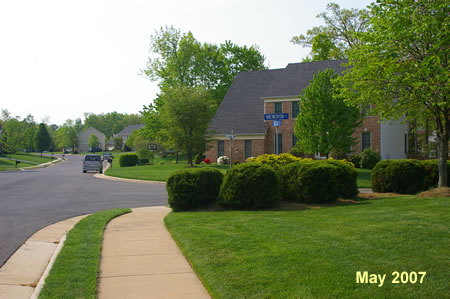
[33,199]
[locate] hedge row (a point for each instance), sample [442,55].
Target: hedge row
[258,186]
[126,160]
[406,176]
[191,189]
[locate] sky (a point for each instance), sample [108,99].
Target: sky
[60,58]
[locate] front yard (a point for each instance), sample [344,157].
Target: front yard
[316,252]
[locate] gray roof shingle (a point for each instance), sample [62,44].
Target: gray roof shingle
[242,109]
[127,131]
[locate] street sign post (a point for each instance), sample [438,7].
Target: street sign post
[275,116]
[276,122]
[231,137]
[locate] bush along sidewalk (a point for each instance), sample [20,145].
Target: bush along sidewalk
[258,185]
[74,273]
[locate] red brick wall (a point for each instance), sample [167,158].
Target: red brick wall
[286,128]
[370,124]
[238,149]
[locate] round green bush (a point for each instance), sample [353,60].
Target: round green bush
[346,177]
[432,174]
[369,158]
[198,159]
[288,180]
[355,159]
[191,189]
[126,160]
[316,183]
[404,176]
[250,186]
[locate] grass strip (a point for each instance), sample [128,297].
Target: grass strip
[33,158]
[74,273]
[364,178]
[11,165]
[315,253]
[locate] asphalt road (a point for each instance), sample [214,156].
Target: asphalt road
[33,199]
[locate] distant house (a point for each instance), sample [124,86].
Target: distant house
[83,139]
[253,94]
[110,145]
[125,133]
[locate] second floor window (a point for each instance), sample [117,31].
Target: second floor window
[295,109]
[278,108]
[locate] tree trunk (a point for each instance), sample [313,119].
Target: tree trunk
[442,162]
[189,158]
[177,157]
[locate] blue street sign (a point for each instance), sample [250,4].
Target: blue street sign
[276,123]
[275,116]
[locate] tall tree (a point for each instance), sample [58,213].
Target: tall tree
[185,116]
[93,141]
[339,34]
[183,61]
[42,138]
[325,123]
[12,135]
[402,66]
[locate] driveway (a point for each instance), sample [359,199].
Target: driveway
[33,199]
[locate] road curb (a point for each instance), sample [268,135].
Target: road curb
[113,178]
[42,165]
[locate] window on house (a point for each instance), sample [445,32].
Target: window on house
[278,107]
[294,140]
[295,109]
[280,143]
[220,148]
[365,111]
[365,140]
[248,149]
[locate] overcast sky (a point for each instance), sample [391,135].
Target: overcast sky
[62,58]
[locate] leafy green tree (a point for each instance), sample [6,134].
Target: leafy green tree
[118,143]
[185,116]
[402,66]
[42,138]
[183,61]
[66,136]
[93,141]
[111,123]
[325,123]
[12,135]
[339,34]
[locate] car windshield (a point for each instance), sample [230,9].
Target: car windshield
[92,158]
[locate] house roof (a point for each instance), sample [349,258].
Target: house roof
[242,109]
[127,131]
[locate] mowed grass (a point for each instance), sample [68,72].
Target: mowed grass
[32,158]
[315,253]
[364,178]
[74,273]
[11,164]
[155,172]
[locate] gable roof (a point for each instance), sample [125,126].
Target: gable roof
[90,129]
[128,130]
[242,109]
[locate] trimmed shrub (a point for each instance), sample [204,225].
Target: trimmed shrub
[297,152]
[369,158]
[126,160]
[400,176]
[191,189]
[276,161]
[346,176]
[432,174]
[250,186]
[355,159]
[309,182]
[317,183]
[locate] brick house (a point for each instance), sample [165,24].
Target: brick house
[253,94]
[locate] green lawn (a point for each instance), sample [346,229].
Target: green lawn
[11,165]
[364,176]
[74,273]
[315,253]
[32,158]
[155,172]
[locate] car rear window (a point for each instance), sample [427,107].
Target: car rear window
[92,158]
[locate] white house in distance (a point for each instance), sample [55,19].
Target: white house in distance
[83,139]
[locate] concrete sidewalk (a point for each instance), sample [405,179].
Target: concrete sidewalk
[24,270]
[141,260]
